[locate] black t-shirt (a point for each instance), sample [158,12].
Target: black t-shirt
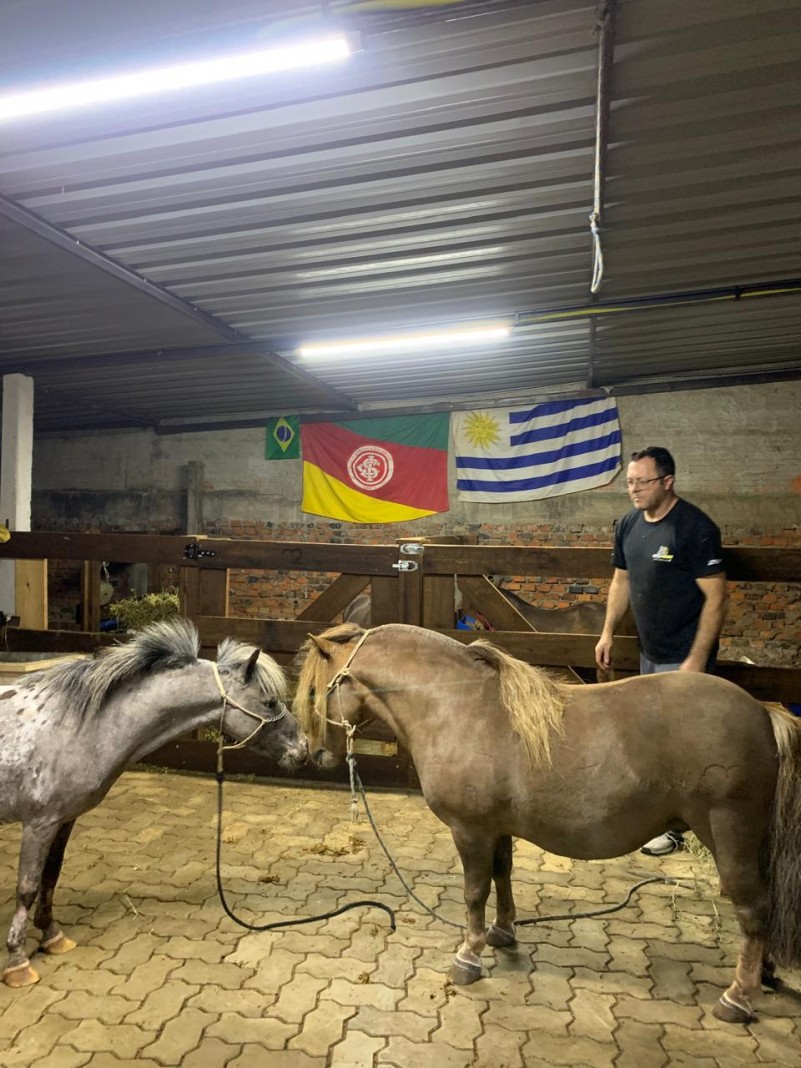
[663,560]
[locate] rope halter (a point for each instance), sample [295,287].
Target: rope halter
[333,686]
[228,700]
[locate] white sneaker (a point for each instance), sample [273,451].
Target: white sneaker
[663,844]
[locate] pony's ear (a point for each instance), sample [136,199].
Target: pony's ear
[326,647]
[250,667]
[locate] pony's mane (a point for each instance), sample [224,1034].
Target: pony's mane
[533,700]
[311,695]
[83,686]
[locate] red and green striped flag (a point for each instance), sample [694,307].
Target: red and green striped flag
[376,470]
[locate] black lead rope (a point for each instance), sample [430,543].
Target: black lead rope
[280,923]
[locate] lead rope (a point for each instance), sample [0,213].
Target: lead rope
[220,776]
[356,783]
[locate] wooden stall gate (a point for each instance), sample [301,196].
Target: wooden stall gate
[411,581]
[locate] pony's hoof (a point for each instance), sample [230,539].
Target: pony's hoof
[58,944]
[463,973]
[499,937]
[20,975]
[730,1012]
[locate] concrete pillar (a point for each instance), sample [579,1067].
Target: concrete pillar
[16,467]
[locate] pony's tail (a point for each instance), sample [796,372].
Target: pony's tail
[784,843]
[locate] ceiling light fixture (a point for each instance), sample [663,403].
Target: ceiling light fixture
[150,82]
[389,344]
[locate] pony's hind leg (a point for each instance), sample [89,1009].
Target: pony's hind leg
[53,938]
[477,853]
[736,850]
[501,931]
[36,841]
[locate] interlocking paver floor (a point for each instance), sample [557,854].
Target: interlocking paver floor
[163,977]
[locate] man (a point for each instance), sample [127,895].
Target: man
[669,567]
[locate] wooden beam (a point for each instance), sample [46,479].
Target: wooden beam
[755,564]
[481,595]
[334,598]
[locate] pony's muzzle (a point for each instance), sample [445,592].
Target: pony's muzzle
[324,758]
[295,755]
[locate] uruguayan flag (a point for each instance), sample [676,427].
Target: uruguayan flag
[557,447]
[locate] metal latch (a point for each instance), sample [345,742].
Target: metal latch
[411,548]
[194,552]
[406,565]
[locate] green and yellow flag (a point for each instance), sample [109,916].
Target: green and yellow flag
[283,438]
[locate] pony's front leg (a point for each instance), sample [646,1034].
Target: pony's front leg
[36,841]
[501,932]
[53,938]
[476,852]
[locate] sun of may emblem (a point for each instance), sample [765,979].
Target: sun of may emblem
[481,429]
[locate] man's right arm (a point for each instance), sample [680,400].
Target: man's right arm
[616,605]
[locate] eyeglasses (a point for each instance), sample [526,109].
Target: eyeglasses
[638,483]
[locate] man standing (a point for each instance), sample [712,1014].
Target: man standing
[669,567]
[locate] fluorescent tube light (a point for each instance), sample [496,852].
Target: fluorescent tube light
[438,339]
[150,82]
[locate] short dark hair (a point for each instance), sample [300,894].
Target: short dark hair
[665,464]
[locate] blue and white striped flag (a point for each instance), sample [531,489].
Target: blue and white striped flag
[557,447]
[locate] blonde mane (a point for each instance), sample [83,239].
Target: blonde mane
[533,701]
[309,705]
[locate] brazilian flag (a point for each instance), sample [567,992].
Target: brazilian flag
[283,438]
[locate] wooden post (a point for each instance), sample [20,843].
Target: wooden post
[90,595]
[31,593]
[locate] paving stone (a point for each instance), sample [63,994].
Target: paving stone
[108,1060]
[298,998]
[688,1016]
[356,1050]
[63,1056]
[402,1053]
[216,1000]
[35,1042]
[592,1015]
[161,1005]
[22,1008]
[671,979]
[501,1049]
[322,1028]
[726,1043]
[125,1040]
[256,1057]
[382,1023]
[553,1049]
[267,1031]
[79,1005]
[376,994]
[639,1045]
[179,1036]
[144,979]
[460,1022]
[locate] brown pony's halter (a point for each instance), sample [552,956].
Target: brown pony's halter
[349,728]
[227,700]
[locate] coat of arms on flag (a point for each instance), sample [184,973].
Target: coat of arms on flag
[547,450]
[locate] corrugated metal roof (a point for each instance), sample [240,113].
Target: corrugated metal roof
[444,174]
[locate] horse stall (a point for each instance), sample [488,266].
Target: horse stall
[138,893]
[411,581]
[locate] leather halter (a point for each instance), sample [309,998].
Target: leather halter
[333,685]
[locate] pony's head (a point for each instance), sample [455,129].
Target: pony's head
[253,680]
[321,705]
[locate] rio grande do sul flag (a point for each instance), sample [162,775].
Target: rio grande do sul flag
[376,470]
[526,454]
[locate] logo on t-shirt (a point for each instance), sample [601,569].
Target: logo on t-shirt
[663,553]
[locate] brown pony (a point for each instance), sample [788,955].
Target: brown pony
[588,772]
